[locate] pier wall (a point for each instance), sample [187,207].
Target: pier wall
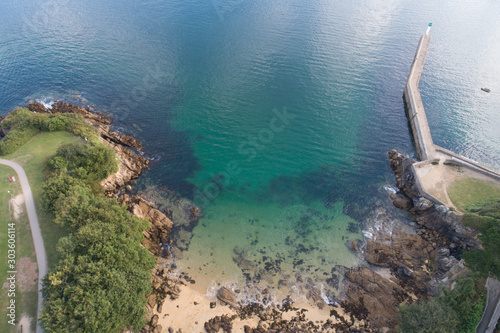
[465,162]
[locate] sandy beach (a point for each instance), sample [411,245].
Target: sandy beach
[190,311]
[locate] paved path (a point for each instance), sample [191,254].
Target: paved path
[41,257]
[492,311]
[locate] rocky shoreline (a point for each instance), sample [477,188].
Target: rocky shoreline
[402,263]
[405,266]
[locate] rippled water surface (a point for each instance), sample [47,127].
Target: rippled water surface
[274,117]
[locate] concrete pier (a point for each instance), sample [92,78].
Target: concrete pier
[416,113]
[433,175]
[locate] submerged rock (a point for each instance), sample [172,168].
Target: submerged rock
[245,265]
[315,295]
[353,245]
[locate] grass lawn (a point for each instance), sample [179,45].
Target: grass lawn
[33,156]
[26,277]
[467,191]
[5,218]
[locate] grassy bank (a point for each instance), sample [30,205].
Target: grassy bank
[469,191]
[33,156]
[26,277]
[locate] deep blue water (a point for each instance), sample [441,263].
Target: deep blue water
[205,85]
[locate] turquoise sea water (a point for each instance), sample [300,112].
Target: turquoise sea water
[274,117]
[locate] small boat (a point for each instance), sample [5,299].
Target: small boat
[486,90]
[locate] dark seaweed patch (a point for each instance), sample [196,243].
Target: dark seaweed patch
[353,228]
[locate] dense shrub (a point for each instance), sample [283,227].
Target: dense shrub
[86,295]
[58,185]
[427,317]
[15,139]
[93,162]
[468,300]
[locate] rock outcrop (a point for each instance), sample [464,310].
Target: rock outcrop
[160,225]
[130,166]
[373,298]
[122,139]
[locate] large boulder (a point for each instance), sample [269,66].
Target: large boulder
[218,322]
[402,202]
[226,296]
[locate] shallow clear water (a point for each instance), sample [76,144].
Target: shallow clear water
[275,117]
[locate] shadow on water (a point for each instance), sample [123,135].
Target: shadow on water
[172,164]
[172,159]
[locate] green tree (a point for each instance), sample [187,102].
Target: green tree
[93,162]
[100,161]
